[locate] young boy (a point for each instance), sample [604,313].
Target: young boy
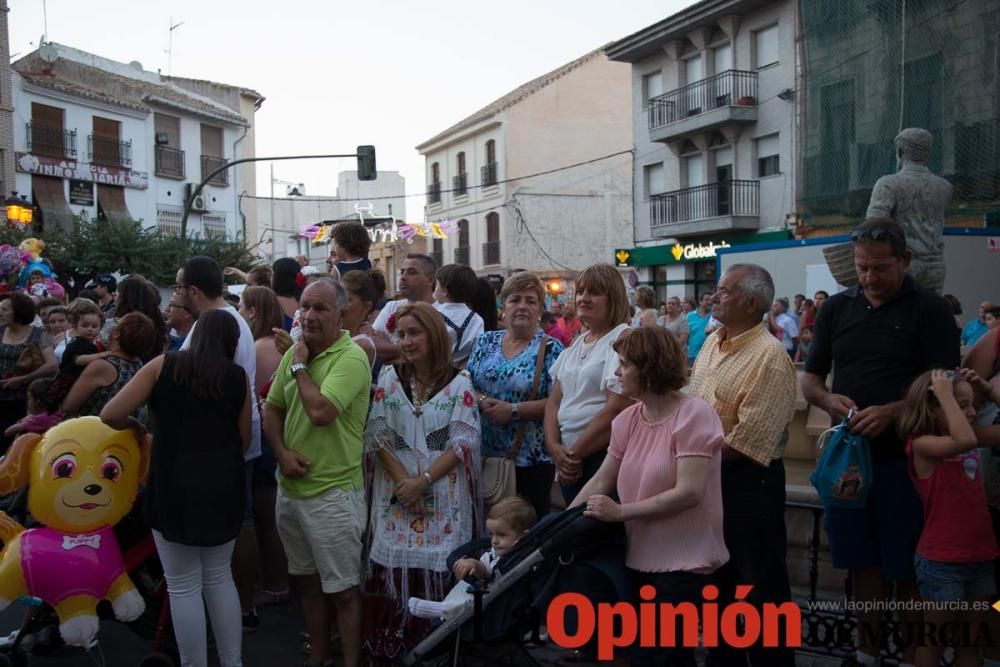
[456,288]
[507,522]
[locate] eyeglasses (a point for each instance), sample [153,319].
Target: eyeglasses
[873,234]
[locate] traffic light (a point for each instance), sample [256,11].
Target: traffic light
[366,163]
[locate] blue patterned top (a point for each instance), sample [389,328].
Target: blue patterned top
[510,380]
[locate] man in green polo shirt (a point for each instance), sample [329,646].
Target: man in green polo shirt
[314,420]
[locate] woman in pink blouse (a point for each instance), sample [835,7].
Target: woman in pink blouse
[664,461]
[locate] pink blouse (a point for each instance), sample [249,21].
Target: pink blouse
[692,540]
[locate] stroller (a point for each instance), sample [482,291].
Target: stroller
[39,632]
[564,551]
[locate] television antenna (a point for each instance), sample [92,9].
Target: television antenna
[170,44]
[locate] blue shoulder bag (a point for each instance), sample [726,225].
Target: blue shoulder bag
[843,475]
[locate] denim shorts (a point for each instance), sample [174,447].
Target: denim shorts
[945,582]
[885,532]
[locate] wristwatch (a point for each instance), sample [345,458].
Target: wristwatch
[296,368]
[514,412]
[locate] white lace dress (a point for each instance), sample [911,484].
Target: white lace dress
[449,421]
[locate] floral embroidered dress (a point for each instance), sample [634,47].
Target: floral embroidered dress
[448,421]
[408,551]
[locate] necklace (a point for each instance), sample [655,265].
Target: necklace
[418,402]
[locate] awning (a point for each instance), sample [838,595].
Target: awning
[111,200]
[49,195]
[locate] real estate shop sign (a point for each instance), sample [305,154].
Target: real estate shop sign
[43,165]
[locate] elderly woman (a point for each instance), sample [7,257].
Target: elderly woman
[586,395]
[675,321]
[424,432]
[665,463]
[502,365]
[17,313]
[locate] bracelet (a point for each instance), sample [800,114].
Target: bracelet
[427,476]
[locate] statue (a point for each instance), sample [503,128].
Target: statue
[916,199]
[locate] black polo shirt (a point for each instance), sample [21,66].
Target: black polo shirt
[876,353]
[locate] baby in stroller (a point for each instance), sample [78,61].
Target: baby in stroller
[507,521]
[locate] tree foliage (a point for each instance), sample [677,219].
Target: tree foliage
[90,247]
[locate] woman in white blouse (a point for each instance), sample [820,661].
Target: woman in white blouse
[586,395]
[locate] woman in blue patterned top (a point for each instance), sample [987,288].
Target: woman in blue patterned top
[502,365]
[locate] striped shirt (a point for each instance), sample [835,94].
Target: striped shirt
[749,381]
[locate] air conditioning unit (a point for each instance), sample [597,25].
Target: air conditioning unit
[200,203]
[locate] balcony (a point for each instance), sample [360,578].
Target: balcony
[51,140]
[491,253]
[169,162]
[488,174]
[462,255]
[434,193]
[716,207]
[109,151]
[723,99]
[210,164]
[459,185]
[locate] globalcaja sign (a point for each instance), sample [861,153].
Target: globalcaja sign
[684,252]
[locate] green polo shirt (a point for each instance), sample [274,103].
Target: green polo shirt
[344,378]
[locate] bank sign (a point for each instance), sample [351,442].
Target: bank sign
[675,254]
[682,253]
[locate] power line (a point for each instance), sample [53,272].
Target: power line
[473,187]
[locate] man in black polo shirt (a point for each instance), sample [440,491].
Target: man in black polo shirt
[878,337]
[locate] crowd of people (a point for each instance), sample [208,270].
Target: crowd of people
[339,438]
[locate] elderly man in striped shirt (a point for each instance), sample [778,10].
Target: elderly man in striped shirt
[744,373]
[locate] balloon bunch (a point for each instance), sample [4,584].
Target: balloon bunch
[23,268]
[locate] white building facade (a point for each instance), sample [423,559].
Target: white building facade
[713,99]
[485,175]
[99,138]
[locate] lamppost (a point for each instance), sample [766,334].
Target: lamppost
[366,172]
[19,210]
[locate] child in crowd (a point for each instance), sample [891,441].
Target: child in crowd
[83,347]
[36,285]
[954,559]
[805,344]
[457,285]
[992,318]
[39,419]
[508,521]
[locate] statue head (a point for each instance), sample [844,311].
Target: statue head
[913,145]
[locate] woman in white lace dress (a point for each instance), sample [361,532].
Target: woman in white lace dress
[424,432]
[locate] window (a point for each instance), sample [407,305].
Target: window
[768,158]
[215,226]
[169,157]
[459,184]
[766,46]
[488,172]
[435,173]
[652,85]
[491,151]
[491,249]
[168,221]
[462,250]
[461,162]
[437,253]
[653,179]
[46,133]
[211,154]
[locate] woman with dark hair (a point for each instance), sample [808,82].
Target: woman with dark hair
[137,295]
[103,378]
[484,304]
[17,313]
[200,404]
[378,281]
[285,283]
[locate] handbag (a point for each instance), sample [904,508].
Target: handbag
[499,476]
[844,473]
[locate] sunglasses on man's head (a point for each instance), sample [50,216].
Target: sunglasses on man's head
[873,234]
